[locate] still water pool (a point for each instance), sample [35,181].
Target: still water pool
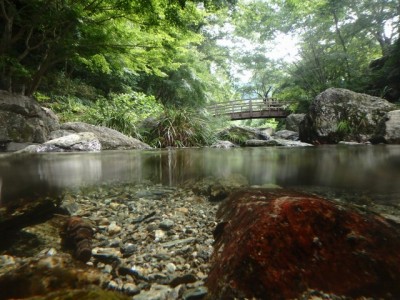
[370,170]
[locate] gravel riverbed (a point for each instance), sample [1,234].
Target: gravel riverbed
[150,241]
[154,241]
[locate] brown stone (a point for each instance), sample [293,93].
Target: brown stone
[53,274]
[77,234]
[277,244]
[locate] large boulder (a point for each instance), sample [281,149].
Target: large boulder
[293,121]
[217,189]
[386,73]
[23,120]
[388,130]
[83,141]
[340,114]
[277,244]
[110,139]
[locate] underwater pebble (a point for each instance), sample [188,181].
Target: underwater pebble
[144,238]
[196,293]
[171,268]
[113,228]
[6,260]
[167,224]
[159,235]
[130,289]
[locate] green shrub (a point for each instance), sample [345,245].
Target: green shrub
[180,128]
[343,128]
[68,109]
[122,112]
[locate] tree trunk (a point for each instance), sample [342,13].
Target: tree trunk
[384,42]
[5,46]
[343,43]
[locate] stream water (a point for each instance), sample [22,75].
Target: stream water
[367,170]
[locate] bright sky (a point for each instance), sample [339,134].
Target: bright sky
[284,47]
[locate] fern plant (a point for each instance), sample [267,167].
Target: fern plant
[343,127]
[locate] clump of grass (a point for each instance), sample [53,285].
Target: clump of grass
[180,128]
[343,127]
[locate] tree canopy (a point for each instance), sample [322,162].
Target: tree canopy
[106,40]
[190,52]
[338,39]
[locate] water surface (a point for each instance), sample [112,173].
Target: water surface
[367,169]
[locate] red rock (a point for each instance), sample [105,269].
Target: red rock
[276,244]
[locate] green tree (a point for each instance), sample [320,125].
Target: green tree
[103,36]
[338,38]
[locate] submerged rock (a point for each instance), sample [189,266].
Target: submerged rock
[23,212]
[217,189]
[41,276]
[277,244]
[83,294]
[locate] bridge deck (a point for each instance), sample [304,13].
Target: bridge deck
[251,109]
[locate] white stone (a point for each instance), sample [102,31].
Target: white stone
[171,268]
[113,228]
[159,235]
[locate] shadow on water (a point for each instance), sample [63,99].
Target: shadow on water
[374,169]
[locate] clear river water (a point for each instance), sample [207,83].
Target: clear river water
[360,170]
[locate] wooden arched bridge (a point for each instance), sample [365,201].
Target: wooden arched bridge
[251,109]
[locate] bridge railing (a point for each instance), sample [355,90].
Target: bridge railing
[250,105]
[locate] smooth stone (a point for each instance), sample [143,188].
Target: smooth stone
[106,257]
[178,242]
[170,267]
[112,285]
[128,249]
[187,278]
[157,292]
[159,235]
[113,228]
[166,224]
[195,294]
[130,289]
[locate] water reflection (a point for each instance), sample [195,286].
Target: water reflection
[369,168]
